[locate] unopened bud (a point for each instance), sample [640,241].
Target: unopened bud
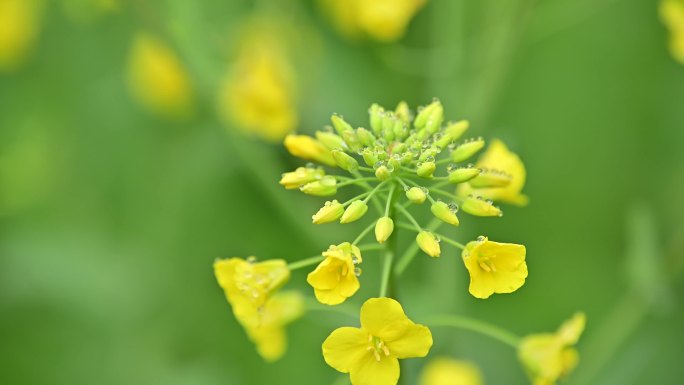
[435,119]
[376,113]
[308,148]
[383,173]
[366,138]
[403,112]
[428,243]
[330,212]
[341,126]
[352,140]
[300,176]
[480,207]
[453,131]
[383,229]
[354,212]
[416,195]
[491,178]
[467,149]
[426,113]
[345,161]
[330,140]
[369,157]
[463,174]
[324,187]
[445,212]
[426,169]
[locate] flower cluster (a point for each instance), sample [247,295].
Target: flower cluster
[400,163]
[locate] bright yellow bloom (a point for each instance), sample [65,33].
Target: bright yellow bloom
[447,371]
[269,334]
[382,20]
[494,267]
[335,279]
[301,176]
[371,354]
[19,27]
[258,94]
[308,148]
[248,285]
[672,14]
[548,357]
[158,79]
[499,157]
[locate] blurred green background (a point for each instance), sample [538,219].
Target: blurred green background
[111,216]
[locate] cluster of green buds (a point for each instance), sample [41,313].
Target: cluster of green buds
[421,155]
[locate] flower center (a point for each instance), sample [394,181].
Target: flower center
[487,264]
[378,347]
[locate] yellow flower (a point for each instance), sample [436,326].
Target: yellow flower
[269,334]
[494,267]
[335,279]
[308,148]
[447,371]
[301,176]
[371,354]
[158,79]
[548,357]
[382,20]
[672,14]
[19,27]
[248,284]
[258,94]
[499,157]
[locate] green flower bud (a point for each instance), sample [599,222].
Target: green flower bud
[330,212]
[445,212]
[426,113]
[330,140]
[467,149]
[435,119]
[354,212]
[341,126]
[369,157]
[345,161]
[491,178]
[403,112]
[480,207]
[324,187]
[428,243]
[452,132]
[383,173]
[365,136]
[383,229]
[399,129]
[463,174]
[352,140]
[300,176]
[394,164]
[376,114]
[416,195]
[426,169]
[399,148]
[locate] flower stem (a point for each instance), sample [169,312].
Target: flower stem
[412,251]
[357,181]
[363,233]
[475,325]
[450,241]
[305,262]
[386,268]
[409,216]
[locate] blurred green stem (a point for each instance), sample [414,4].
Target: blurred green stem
[412,250]
[475,325]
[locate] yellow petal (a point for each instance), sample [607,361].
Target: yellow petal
[571,330]
[334,279]
[270,342]
[345,347]
[369,371]
[541,356]
[326,276]
[384,318]
[446,371]
[415,342]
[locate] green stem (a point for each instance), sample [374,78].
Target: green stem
[370,195]
[412,251]
[389,199]
[358,175]
[364,233]
[357,181]
[371,246]
[475,325]
[410,217]
[305,262]
[386,268]
[450,241]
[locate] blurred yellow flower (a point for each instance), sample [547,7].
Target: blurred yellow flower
[19,27]
[494,267]
[308,148]
[499,157]
[382,20]
[548,357]
[157,78]
[672,14]
[371,354]
[335,279]
[259,93]
[447,371]
[249,284]
[269,334]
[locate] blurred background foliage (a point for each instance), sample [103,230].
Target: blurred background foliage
[124,174]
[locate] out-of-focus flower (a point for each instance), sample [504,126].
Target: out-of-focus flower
[494,267]
[259,93]
[158,79]
[447,371]
[19,28]
[382,20]
[548,357]
[335,279]
[672,14]
[371,354]
[502,176]
[308,148]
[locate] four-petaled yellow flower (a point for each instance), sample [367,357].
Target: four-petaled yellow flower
[371,354]
[494,267]
[672,14]
[548,357]
[335,279]
[447,371]
[499,157]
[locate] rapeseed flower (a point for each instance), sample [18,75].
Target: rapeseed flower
[494,267]
[371,353]
[447,371]
[336,278]
[548,357]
